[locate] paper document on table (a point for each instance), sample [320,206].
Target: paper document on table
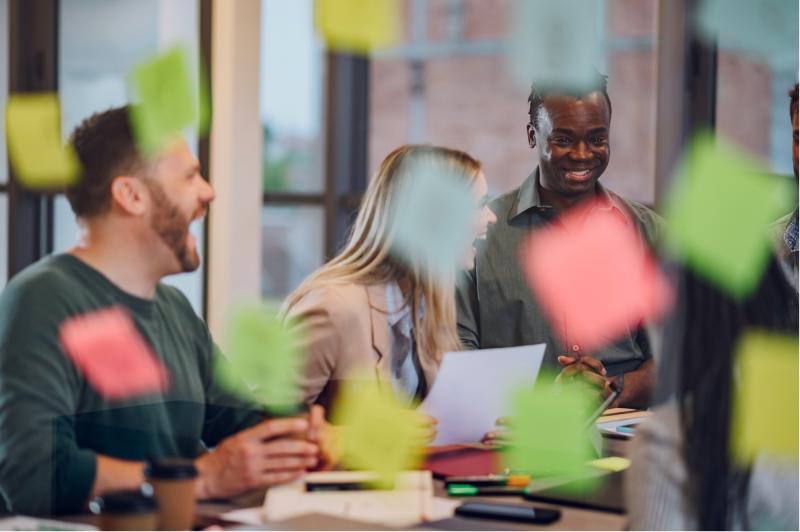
[472,389]
[22,522]
[409,503]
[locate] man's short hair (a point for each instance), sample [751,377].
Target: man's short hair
[793,101]
[597,83]
[106,149]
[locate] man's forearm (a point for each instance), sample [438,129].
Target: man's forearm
[114,474]
[638,389]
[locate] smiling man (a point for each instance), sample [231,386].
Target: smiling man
[62,442]
[570,130]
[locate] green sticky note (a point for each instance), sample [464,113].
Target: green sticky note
[547,433]
[203,102]
[357,26]
[35,151]
[378,433]
[611,463]
[167,97]
[264,361]
[718,213]
[765,406]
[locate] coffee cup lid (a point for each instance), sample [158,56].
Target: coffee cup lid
[170,469]
[123,502]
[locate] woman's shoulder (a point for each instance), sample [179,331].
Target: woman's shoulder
[341,300]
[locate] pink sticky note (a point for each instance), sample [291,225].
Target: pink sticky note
[594,276]
[111,354]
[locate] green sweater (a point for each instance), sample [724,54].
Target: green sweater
[52,422]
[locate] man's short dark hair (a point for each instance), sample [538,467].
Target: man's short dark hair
[596,83]
[793,101]
[106,148]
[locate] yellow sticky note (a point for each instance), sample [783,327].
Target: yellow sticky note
[611,463]
[378,433]
[765,406]
[37,156]
[357,26]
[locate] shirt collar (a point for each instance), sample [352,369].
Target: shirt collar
[790,235]
[397,308]
[528,198]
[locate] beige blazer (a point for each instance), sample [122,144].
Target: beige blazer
[347,332]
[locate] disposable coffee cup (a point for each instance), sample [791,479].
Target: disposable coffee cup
[173,485]
[126,510]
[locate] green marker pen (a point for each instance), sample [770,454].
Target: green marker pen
[466,490]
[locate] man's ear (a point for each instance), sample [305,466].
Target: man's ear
[531,135]
[128,194]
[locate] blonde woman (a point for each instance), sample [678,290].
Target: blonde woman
[365,310]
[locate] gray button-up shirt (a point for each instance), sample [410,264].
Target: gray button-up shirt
[495,305]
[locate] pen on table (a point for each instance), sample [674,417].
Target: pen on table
[603,407]
[466,490]
[490,480]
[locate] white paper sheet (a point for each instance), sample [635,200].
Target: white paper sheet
[472,389]
[22,522]
[410,503]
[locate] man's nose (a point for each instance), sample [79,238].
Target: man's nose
[581,152]
[207,194]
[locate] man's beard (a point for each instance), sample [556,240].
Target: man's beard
[173,228]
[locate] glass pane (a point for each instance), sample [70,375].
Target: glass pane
[753,107]
[3,239]
[65,228]
[3,98]
[291,247]
[95,58]
[447,83]
[292,63]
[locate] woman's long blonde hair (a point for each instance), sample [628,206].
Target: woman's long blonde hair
[367,259]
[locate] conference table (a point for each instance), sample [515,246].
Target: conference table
[572,518]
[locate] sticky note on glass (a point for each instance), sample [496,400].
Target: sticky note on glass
[718,213]
[765,408]
[611,463]
[109,352]
[263,362]
[168,98]
[358,26]
[594,276]
[547,431]
[556,44]
[433,216]
[38,158]
[764,29]
[378,434]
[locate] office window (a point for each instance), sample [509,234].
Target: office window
[95,58]
[752,107]
[292,246]
[292,85]
[447,83]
